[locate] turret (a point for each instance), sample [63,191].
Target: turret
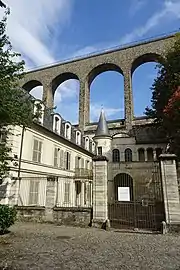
[102,137]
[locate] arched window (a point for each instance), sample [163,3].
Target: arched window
[141,154]
[150,154]
[78,137]
[57,124]
[158,152]
[116,155]
[128,155]
[67,131]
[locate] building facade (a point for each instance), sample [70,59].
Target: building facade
[51,167]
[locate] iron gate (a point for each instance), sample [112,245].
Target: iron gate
[142,206]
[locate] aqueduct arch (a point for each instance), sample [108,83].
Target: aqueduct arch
[146,58]
[31,84]
[126,58]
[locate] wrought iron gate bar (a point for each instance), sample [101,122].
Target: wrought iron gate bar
[144,208]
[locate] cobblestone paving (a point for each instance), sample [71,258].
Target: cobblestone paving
[45,246]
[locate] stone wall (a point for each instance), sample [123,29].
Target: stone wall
[72,216]
[31,213]
[59,215]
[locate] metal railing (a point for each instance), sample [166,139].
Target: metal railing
[37,191]
[81,173]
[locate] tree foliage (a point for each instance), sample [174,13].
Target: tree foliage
[7,217]
[165,100]
[15,104]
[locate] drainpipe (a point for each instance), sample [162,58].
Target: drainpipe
[20,159]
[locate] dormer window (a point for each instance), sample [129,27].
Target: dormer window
[87,143]
[93,147]
[67,131]
[78,137]
[57,124]
[39,111]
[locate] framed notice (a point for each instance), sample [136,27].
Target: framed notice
[123,194]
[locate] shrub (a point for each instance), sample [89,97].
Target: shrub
[7,217]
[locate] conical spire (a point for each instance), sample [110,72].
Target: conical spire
[102,128]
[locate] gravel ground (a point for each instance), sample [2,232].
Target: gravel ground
[45,246]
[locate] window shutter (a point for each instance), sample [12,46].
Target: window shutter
[65,160]
[62,159]
[40,151]
[35,150]
[69,161]
[82,162]
[55,157]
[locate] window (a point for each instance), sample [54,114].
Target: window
[3,135]
[67,131]
[158,152]
[57,124]
[33,192]
[93,147]
[82,163]
[77,162]
[66,192]
[87,143]
[87,164]
[141,154]
[128,155]
[150,154]
[67,160]
[37,150]
[78,137]
[99,151]
[116,155]
[56,159]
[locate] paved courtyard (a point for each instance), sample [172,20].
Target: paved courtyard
[45,246]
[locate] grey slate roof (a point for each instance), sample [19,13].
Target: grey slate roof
[102,128]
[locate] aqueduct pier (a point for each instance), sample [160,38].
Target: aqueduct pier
[123,60]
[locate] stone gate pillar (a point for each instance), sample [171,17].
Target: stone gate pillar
[100,195]
[170,190]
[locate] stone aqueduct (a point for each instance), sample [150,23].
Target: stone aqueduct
[124,60]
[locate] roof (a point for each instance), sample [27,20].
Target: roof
[102,128]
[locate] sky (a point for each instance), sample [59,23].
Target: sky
[50,31]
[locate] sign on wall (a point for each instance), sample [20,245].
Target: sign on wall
[123,194]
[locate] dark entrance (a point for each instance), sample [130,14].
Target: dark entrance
[137,204]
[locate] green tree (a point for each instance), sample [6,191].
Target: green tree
[15,104]
[165,100]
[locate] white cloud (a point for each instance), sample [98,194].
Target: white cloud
[136,6]
[170,10]
[95,109]
[37,92]
[67,90]
[85,51]
[30,24]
